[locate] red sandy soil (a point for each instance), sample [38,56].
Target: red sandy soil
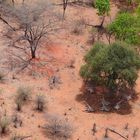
[62,100]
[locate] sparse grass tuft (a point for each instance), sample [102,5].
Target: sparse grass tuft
[16,137]
[58,129]
[24,93]
[16,119]
[19,104]
[19,137]
[78,26]
[4,124]
[2,77]
[40,102]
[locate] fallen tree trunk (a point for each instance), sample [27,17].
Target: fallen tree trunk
[3,20]
[111,130]
[25,137]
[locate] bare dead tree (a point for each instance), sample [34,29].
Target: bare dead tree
[89,109]
[3,20]
[31,26]
[113,131]
[33,35]
[3,9]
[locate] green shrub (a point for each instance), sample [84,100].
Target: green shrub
[125,28]
[114,66]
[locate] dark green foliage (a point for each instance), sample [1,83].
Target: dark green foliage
[126,28]
[114,66]
[103,6]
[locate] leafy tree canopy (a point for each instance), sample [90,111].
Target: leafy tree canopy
[103,6]
[114,66]
[125,27]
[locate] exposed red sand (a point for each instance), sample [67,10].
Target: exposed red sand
[62,100]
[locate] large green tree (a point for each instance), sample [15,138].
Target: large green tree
[115,66]
[125,28]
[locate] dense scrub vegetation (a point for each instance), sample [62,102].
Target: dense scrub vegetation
[114,66]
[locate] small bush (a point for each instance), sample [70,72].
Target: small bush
[40,102]
[24,93]
[19,104]
[78,26]
[16,119]
[57,128]
[92,37]
[2,77]
[4,124]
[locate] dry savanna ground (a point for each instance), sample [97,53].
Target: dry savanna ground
[62,56]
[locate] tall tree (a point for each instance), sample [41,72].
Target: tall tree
[32,24]
[115,66]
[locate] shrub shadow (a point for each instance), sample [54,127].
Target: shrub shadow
[94,95]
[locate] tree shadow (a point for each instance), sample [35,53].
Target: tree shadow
[93,96]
